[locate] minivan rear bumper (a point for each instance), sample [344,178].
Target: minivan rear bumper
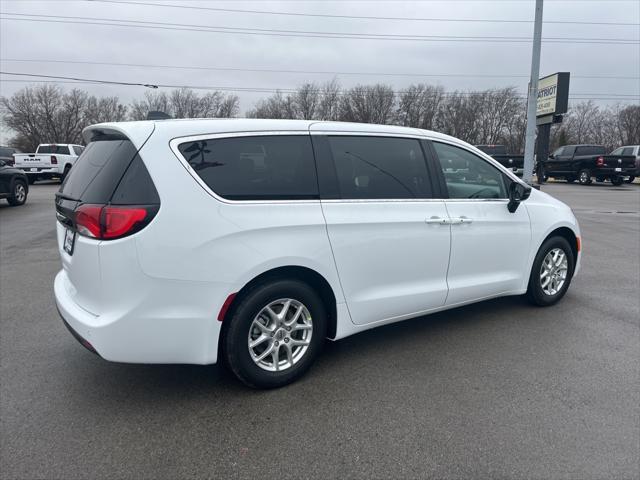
[132,337]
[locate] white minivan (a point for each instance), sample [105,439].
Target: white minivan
[251,241]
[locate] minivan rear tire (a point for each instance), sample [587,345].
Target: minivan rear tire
[236,337]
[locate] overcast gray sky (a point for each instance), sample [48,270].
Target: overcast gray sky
[474,60]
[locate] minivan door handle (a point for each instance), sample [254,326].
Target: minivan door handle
[437,221]
[461,220]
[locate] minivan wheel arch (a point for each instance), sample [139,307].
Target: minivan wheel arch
[303,274]
[568,235]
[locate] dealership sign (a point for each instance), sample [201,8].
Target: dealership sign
[553,94]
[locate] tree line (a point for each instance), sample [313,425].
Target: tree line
[48,114]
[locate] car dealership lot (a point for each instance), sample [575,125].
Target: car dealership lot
[494,389]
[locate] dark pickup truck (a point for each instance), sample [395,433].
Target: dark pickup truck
[499,153]
[584,162]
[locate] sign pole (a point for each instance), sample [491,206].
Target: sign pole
[533,96]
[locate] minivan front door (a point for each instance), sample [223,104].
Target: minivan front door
[489,244]
[390,238]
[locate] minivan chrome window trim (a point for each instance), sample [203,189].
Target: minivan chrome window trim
[175,143]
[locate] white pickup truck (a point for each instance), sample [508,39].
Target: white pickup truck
[50,160]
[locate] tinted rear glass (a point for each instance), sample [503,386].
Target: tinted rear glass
[274,167]
[98,171]
[136,186]
[54,149]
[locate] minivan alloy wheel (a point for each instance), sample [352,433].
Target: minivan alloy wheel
[280,335]
[553,271]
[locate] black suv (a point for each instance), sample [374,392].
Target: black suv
[14,185]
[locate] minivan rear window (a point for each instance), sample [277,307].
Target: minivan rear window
[268,167]
[109,169]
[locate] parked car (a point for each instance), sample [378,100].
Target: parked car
[51,160]
[14,186]
[511,161]
[193,241]
[6,155]
[630,150]
[584,162]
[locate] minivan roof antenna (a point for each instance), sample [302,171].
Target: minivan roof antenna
[157,115]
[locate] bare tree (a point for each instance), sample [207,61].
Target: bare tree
[45,114]
[458,117]
[307,100]
[152,101]
[368,104]
[628,125]
[496,109]
[418,106]
[276,106]
[329,107]
[184,103]
[107,109]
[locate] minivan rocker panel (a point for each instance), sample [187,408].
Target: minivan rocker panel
[173,254]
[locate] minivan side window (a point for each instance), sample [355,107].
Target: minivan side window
[369,167]
[269,167]
[467,175]
[558,151]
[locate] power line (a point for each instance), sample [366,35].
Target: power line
[305,72]
[594,96]
[80,79]
[358,17]
[301,33]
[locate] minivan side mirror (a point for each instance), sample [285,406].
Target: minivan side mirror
[552,156]
[518,192]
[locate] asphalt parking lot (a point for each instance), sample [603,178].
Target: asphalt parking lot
[495,390]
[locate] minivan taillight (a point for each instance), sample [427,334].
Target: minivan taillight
[599,161]
[88,220]
[54,160]
[119,221]
[108,222]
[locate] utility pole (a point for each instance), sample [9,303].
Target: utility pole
[532,100]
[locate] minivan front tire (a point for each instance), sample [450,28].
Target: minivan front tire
[275,333]
[551,273]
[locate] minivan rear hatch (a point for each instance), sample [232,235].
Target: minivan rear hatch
[108,195]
